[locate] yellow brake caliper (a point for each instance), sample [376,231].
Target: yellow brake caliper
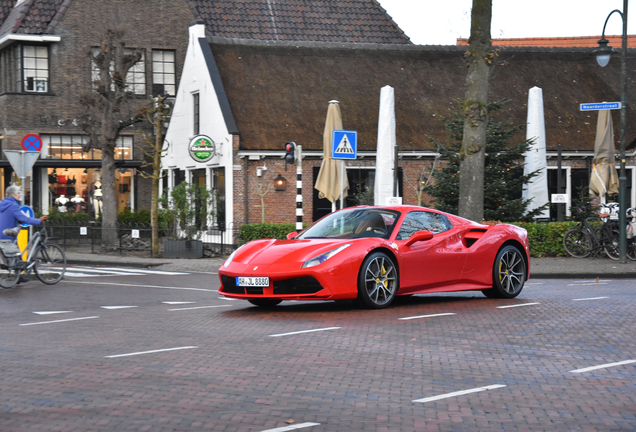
[385,282]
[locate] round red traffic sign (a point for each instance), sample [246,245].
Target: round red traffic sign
[32,142]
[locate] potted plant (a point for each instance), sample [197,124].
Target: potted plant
[189,212]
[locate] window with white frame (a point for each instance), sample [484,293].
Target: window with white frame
[164,76]
[35,68]
[135,78]
[71,147]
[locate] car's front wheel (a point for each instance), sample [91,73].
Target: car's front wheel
[265,303]
[378,281]
[508,274]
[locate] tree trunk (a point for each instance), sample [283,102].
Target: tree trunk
[109,197]
[473,152]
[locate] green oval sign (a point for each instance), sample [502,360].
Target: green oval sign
[202,148]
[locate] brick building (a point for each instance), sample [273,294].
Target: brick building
[45,67]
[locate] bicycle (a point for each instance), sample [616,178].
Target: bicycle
[46,259]
[583,240]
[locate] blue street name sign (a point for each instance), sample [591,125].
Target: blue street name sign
[344,144]
[600,106]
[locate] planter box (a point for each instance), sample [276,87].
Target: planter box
[182,249]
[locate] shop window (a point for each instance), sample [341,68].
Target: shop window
[79,190]
[164,76]
[71,147]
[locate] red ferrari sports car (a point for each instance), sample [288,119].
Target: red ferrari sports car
[373,254]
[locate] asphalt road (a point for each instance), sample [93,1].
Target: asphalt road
[135,350]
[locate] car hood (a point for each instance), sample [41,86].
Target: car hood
[272,252]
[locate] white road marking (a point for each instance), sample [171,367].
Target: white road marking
[51,312]
[426,316]
[177,302]
[517,305]
[590,298]
[199,307]
[59,321]
[603,366]
[458,393]
[115,271]
[588,284]
[292,427]
[150,352]
[534,283]
[304,331]
[95,273]
[226,298]
[117,307]
[135,270]
[143,286]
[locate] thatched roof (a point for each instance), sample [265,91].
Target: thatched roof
[280,91]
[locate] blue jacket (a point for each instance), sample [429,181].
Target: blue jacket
[10,215]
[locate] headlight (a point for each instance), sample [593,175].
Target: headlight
[323,257]
[231,257]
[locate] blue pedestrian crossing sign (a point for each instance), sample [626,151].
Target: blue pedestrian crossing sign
[344,144]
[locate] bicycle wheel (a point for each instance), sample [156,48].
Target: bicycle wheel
[610,240]
[631,249]
[8,274]
[50,263]
[577,243]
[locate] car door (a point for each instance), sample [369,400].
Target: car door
[428,263]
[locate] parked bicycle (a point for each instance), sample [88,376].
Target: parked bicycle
[46,259]
[585,240]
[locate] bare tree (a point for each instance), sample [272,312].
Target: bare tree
[108,111]
[157,115]
[422,182]
[263,187]
[475,112]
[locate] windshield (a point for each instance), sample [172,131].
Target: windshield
[354,223]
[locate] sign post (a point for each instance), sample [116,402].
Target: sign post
[344,146]
[22,161]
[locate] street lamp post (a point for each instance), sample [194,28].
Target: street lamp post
[603,53]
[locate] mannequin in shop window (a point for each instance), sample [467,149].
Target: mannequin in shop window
[78,201]
[61,202]
[97,195]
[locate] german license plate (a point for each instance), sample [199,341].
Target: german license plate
[252,281]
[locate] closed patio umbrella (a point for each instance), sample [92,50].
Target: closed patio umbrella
[604,177]
[328,181]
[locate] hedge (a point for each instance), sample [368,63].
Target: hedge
[249,232]
[546,239]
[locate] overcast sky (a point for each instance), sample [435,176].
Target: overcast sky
[435,22]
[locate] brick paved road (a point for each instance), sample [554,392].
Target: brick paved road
[151,363]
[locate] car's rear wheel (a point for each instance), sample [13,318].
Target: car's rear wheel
[377,281]
[508,274]
[265,303]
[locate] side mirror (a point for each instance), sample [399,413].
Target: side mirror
[291,235]
[419,236]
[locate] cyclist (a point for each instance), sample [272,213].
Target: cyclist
[10,214]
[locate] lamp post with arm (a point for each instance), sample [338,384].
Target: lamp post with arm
[603,53]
